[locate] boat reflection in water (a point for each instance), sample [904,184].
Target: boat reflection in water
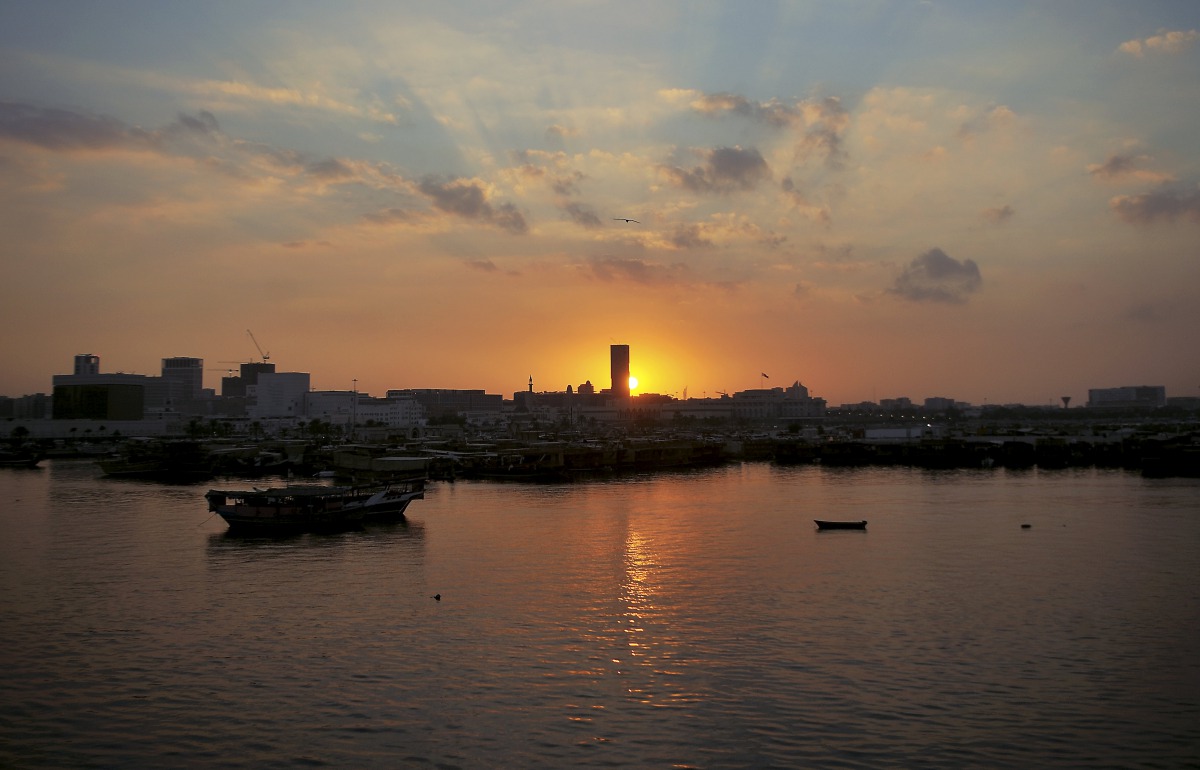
[313,508]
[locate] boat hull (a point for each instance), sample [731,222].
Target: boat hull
[823,524]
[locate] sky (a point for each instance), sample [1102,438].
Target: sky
[990,202]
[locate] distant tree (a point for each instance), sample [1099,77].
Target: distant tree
[20,431]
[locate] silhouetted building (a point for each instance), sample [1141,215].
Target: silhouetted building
[278,394]
[235,387]
[1128,397]
[183,378]
[92,394]
[619,363]
[446,402]
[86,364]
[101,401]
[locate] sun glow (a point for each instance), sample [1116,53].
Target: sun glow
[633,383]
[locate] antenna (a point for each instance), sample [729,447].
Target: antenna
[265,356]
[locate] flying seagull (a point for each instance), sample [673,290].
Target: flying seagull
[623,219]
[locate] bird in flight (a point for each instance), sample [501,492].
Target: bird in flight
[623,219]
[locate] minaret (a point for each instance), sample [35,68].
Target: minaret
[531,383]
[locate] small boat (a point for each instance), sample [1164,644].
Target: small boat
[312,508]
[20,458]
[824,524]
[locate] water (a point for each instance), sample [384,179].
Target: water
[683,620]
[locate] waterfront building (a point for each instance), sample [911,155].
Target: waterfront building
[791,403]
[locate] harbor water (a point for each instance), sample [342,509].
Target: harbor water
[682,620]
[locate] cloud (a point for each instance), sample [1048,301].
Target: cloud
[64,130]
[288,97]
[1121,166]
[469,200]
[330,169]
[583,215]
[773,112]
[992,119]
[482,265]
[936,277]
[638,271]
[822,122]
[68,131]
[725,169]
[551,168]
[1168,202]
[689,237]
[999,214]
[1166,41]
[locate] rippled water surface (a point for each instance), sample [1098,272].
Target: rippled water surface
[685,620]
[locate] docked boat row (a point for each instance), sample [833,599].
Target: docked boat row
[313,508]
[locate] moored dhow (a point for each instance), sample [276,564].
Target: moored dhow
[311,508]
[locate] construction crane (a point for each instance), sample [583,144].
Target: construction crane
[265,356]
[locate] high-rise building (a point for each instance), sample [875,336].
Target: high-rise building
[619,360]
[184,376]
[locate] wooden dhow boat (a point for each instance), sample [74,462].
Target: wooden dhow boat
[312,508]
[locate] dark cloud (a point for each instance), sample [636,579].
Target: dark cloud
[582,215]
[64,130]
[936,277]
[392,216]
[67,131]
[1115,167]
[826,121]
[999,215]
[689,237]
[638,271]
[725,169]
[821,122]
[469,200]
[306,244]
[331,168]
[773,112]
[1168,202]
[483,265]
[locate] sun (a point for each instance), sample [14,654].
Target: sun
[633,383]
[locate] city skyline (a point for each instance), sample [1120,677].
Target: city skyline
[173,367]
[996,204]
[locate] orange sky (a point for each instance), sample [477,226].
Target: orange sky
[894,199]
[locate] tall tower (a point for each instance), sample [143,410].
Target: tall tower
[619,361]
